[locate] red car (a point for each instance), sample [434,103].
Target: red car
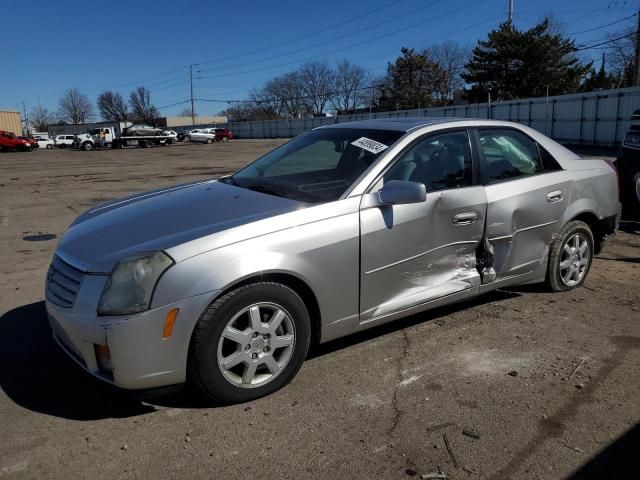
[9,141]
[223,134]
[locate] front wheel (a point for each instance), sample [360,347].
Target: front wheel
[87,146]
[249,343]
[209,140]
[49,147]
[570,257]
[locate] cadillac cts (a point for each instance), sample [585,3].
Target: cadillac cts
[224,283]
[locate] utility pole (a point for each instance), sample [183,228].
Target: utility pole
[510,10]
[193,114]
[636,67]
[26,120]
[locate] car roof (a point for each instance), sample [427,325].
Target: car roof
[408,124]
[398,124]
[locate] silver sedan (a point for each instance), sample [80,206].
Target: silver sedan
[225,283]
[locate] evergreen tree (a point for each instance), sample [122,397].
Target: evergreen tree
[411,81]
[513,63]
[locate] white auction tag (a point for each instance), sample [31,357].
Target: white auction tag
[369,145]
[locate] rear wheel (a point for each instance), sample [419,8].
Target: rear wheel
[87,146]
[570,258]
[225,139]
[249,343]
[209,140]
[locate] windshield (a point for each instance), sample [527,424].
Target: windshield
[318,166]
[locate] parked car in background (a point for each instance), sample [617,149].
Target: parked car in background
[32,141]
[223,134]
[141,130]
[628,165]
[45,143]
[204,135]
[183,136]
[10,141]
[224,283]
[63,141]
[172,136]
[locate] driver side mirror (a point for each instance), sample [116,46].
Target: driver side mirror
[399,192]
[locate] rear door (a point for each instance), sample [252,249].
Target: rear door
[527,192]
[414,253]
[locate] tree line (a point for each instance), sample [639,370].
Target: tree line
[74,107]
[509,63]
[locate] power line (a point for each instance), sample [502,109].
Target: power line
[293,40]
[334,39]
[603,26]
[378,37]
[589,47]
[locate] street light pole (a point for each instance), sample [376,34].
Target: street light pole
[510,10]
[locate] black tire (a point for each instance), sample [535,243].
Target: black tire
[225,139]
[49,147]
[203,370]
[87,146]
[209,140]
[554,279]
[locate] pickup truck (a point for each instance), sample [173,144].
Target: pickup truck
[10,141]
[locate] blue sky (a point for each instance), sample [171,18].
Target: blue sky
[93,46]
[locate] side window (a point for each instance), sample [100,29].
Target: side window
[509,154]
[549,164]
[439,162]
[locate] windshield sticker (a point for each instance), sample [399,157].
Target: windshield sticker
[370,145]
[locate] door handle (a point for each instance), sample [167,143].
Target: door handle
[465,218]
[555,196]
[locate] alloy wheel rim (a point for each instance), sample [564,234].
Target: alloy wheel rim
[256,345]
[575,259]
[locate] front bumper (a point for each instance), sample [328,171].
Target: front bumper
[140,357]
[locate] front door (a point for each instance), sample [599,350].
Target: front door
[411,254]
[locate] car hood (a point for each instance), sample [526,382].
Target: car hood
[161,219]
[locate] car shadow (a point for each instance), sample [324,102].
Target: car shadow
[630,226]
[400,324]
[37,375]
[617,460]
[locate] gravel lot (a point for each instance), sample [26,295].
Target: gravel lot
[521,383]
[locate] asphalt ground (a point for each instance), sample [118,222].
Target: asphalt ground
[519,383]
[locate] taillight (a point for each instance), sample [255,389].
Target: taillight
[613,166]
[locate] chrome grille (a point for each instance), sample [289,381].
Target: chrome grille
[63,283]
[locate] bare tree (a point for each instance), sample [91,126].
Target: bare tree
[451,57]
[621,55]
[351,88]
[264,105]
[112,106]
[318,82]
[40,118]
[143,109]
[288,91]
[240,112]
[186,112]
[75,107]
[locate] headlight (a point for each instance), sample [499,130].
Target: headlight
[131,283]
